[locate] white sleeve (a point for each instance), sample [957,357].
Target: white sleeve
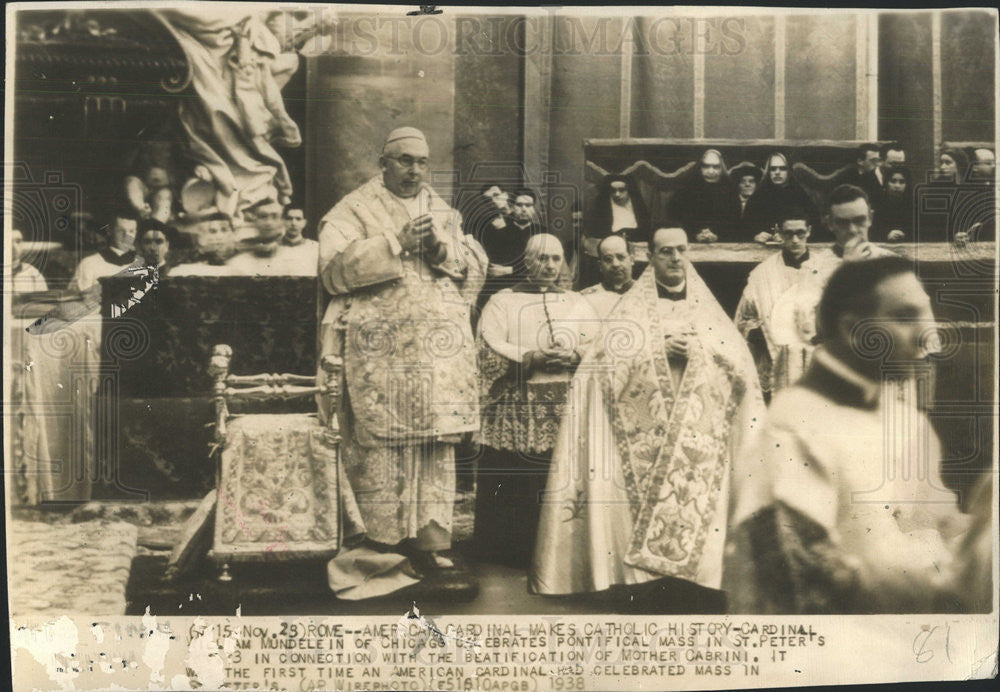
[493,327]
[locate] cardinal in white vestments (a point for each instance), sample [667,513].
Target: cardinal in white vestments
[402,277]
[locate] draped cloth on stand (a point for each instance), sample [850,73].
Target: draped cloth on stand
[283,495]
[639,483]
[280,490]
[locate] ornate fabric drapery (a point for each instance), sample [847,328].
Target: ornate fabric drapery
[408,350]
[639,480]
[402,325]
[279,489]
[519,416]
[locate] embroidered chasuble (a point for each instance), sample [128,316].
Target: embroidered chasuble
[401,323]
[639,483]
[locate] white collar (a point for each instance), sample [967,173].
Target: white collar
[679,288]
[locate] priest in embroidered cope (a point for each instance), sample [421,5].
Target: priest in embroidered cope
[401,275]
[531,338]
[639,485]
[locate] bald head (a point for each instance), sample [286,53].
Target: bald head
[541,243]
[669,236]
[668,251]
[543,256]
[984,164]
[615,261]
[612,244]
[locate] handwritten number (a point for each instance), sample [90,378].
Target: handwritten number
[920,645]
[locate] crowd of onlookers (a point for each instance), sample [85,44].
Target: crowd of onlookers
[744,203]
[712,202]
[741,204]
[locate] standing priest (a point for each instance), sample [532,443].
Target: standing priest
[532,336]
[639,486]
[402,275]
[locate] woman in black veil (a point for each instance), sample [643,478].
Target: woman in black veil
[618,209]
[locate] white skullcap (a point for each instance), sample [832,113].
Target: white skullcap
[403,133]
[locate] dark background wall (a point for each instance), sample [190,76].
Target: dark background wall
[578,65]
[968,101]
[488,113]
[906,96]
[511,98]
[418,73]
[906,80]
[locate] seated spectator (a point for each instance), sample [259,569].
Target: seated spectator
[864,172]
[704,206]
[298,255]
[618,209]
[118,254]
[953,166]
[893,156]
[524,212]
[155,240]
[967,218]
[984,166]
[778,194]
[488,211]
[893,220]
[215,245]
[747,178]
[982,175]
[497,196]
[503,230]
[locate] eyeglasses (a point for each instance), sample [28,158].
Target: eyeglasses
[407,161]
[793,234]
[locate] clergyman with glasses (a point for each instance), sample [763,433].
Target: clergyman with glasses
[402,275]
[775,312]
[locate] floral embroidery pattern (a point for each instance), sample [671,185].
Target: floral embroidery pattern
[278,489]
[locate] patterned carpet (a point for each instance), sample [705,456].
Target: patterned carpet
[57,569]
[81,560]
